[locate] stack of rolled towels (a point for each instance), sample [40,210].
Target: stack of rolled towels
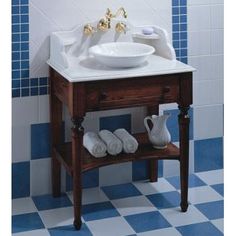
[105,142]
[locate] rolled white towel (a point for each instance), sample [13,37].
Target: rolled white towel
[130,144]
[94,145]
[114,145]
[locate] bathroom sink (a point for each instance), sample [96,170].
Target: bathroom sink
[121,54]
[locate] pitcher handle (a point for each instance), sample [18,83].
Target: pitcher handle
[146,123]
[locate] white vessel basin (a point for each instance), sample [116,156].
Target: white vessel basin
[121,54]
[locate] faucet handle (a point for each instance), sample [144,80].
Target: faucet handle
[109,14]
[89,29]
[103,24]
[121,27]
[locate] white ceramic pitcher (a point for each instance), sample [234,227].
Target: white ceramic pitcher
[159,136]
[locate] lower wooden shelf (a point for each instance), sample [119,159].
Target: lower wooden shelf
[144,152]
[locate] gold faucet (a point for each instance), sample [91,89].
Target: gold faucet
[105,23]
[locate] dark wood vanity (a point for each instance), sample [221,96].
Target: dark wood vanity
[86,96]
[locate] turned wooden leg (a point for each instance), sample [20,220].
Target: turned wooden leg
[56,121]
[153,164]
[77,144]
[184,121]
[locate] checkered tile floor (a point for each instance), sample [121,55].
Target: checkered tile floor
[139,208]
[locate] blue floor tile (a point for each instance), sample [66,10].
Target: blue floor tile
[26,222]
[46,202]
[208,154]
[219,188]
[165,200]
[194,181]
[201,229]
[121,191]
[212,210]
[147,221]
[69,230]
[98,211]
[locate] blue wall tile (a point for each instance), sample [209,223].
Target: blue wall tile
[173,127]
[24,92]
[90,180]
[115,122]
[15,2]
[40,141]
[15,93]
[140,170]
[208,154]
[20,179]
[16,74]
[16,84]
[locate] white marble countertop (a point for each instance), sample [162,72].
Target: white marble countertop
[89,70]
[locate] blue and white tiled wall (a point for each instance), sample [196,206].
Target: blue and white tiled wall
[196,29]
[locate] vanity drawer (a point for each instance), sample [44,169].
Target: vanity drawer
[132,92]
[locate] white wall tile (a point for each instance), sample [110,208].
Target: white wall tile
[44,113]
[210,67]
[21,141]
[24,113]
[198,2]
[115,174]
[217,1]
[138,115]
[199,18]
[24,110]
[199,43]
[217,16]
[208,122]
[208,92]
[217,41]
[40,176]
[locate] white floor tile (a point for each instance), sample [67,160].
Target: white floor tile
[39,232]
[161,232]
[133,205]
[116,226]
[212,177]
[177,218]
[203,194]
[219,224]
[147,188]
[91,195]
[57,217]
[22,206]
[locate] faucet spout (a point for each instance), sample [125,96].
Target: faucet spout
[121,11]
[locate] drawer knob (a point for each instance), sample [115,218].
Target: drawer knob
[103,96]
[166,89]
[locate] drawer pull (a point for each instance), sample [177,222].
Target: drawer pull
[103,96]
